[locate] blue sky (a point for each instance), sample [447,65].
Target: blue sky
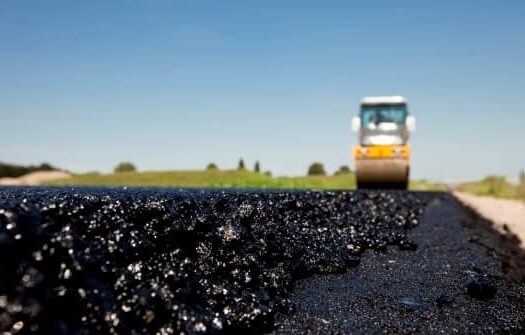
[178,84]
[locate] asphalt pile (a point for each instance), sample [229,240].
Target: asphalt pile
[135,261]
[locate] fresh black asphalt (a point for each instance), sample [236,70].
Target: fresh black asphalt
[146,261]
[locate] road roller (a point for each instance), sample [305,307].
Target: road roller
[382,157]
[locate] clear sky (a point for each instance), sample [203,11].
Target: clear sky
[178,84]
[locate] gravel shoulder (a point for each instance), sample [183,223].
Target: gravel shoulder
[506,214]
[35,178]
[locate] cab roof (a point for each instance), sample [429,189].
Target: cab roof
[396,99]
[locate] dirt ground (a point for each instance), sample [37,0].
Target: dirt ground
[503,212]
[35,178]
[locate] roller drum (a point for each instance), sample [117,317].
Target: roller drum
[382,173]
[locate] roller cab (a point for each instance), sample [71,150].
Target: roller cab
[382,157]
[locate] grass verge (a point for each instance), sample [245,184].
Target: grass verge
[224,179]
[219,179]
[494,186]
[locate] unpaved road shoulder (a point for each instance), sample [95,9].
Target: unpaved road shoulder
[35,178]
[503,212]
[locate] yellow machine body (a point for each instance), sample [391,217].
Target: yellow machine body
[382,166]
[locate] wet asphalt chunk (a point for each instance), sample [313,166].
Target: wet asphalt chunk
[143,261]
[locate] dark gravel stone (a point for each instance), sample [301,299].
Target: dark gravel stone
[444,300]
[481,288]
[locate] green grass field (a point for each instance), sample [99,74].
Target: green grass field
[221,179]
[494,186]
[213,178]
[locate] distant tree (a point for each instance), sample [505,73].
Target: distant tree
[125,167]
[257,167]
[316,169]
[343,170]
[212,167]
[241,165]
[268,173]
[522,177]
[46,167]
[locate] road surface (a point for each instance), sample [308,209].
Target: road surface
[143,261]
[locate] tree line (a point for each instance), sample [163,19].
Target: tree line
[315,169]
[14,171]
